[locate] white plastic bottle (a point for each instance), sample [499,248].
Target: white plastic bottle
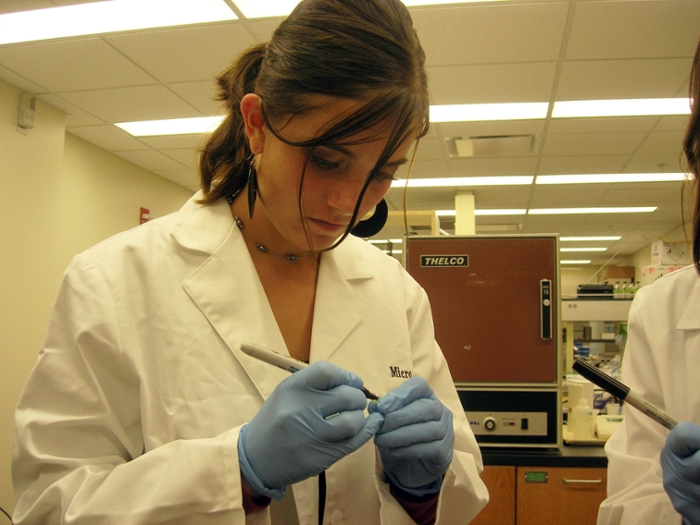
[583,421]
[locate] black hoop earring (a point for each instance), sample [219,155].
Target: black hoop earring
[372,226]
[252,185]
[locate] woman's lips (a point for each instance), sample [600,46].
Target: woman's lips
[329,227]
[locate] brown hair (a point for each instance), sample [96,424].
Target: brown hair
[691,147]
[365,50]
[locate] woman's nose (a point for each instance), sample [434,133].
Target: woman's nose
[344,197]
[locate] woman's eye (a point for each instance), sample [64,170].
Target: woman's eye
[324,164]
[383,177]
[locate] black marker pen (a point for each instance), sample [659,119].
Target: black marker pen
[285,362]
[621,391]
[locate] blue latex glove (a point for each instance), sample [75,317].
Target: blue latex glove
[416,439]
[290,439]
[680,462]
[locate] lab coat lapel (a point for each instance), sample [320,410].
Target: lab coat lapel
[690,319]
[227,290]
[340,305]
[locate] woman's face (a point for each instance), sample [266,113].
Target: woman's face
[333,177]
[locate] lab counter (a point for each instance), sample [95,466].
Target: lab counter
[565,456]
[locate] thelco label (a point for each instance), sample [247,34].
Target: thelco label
[444,260]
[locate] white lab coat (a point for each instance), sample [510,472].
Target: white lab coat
[132,413]
[662,364]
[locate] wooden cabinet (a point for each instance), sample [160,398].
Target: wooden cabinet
[501,508]
[542,495]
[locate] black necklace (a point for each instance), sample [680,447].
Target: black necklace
[262,247]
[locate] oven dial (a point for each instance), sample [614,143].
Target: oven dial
[490,424]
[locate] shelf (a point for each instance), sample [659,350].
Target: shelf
[592,310]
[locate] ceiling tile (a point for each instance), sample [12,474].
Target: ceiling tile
[20,82]
[622,29]
[200,95]
[14,6]
[615,79]
[151,160]
[108,137]
[661,151]
[186,157]
[568,196]
[175,141]
[430,149]
[132,104]
[516,33]
[492,83]
[61,65]
[602,125]
[74,115]
[573,165]
[592,143]
[482,167]
[184,54]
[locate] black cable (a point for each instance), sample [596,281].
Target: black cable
[6,514]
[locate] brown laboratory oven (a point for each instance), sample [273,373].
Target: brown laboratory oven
[496,309]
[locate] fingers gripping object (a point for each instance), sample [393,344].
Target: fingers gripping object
[294,437]
[680,463]
[416,439]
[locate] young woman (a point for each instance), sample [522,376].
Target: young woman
[142,408]
[654,475]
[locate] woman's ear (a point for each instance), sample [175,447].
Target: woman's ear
[254,122]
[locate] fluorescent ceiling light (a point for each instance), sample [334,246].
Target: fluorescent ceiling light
[580,261]
[621,108]
[107,17]
[453,213]
[610,178]
[500,212]
[385,241]
[570,211]
[598,238]
[481,112]
[582,249]
[454,182]
[270,8]
[265,8]
[175,126]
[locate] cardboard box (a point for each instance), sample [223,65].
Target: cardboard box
[653,272]
[670,254]
[618,273]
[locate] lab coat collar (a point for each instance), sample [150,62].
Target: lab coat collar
[690,318]
[202,227]
[219,285]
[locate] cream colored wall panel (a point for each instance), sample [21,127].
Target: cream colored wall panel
[150,160]
[201,95]
[109,138]
[74,115]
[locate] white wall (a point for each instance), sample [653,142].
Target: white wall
[58,196]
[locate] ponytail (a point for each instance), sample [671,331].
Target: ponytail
[223,164]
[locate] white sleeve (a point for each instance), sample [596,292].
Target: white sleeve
[79,450]
[635,491]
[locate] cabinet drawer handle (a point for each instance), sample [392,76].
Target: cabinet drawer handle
[588,481]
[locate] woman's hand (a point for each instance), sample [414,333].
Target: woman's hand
[311,420]
[416,439]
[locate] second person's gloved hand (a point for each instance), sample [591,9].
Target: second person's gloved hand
[680,463]
[290,439]
[416,439]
